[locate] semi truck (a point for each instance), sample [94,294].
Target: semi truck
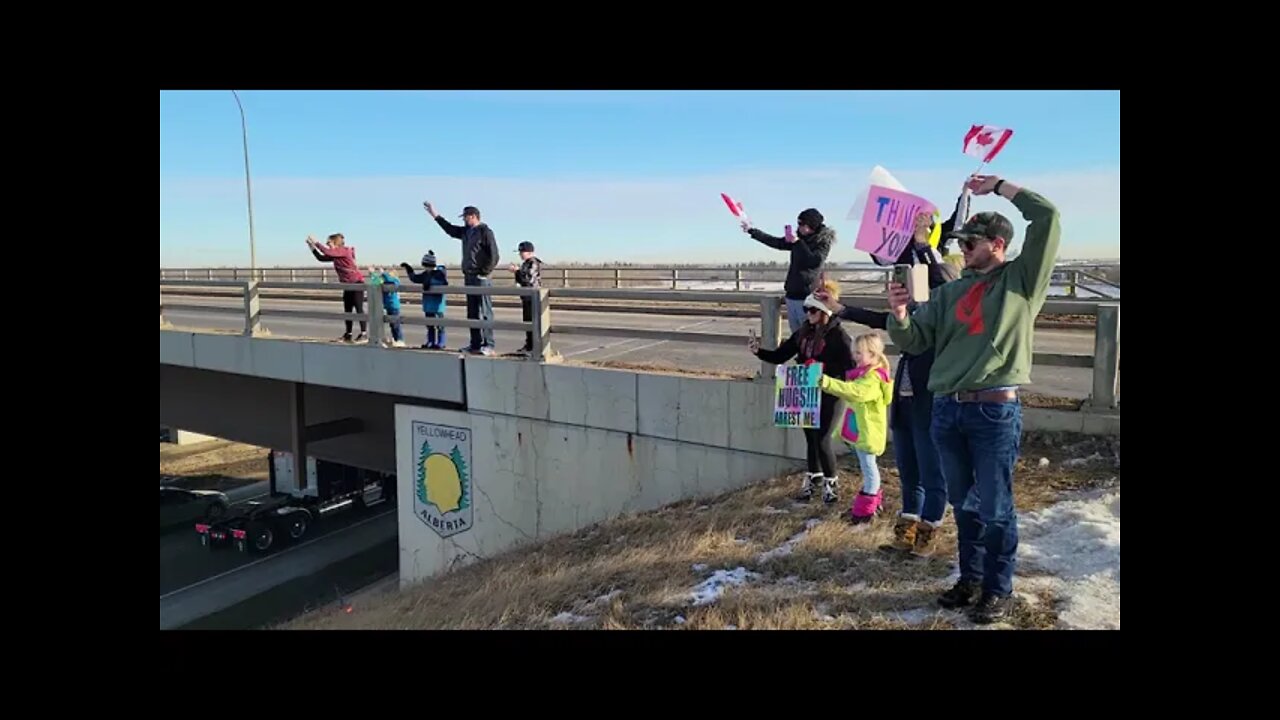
[290,512]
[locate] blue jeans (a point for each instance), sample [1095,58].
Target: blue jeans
[978,444]
[795,314]
[924,491]
[435,335]
[393,318]
[479,307]
[870,472]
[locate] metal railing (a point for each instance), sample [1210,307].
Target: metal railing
[1075,279]
[766,306]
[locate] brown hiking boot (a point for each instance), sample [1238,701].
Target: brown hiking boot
[904,535]
[926,540]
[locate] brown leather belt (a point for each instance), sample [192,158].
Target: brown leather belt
[987,396]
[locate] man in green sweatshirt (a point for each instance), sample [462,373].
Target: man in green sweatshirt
[980,328]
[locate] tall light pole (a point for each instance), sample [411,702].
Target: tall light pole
[248,189]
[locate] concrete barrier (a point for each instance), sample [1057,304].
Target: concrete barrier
[431,376]
[186,437]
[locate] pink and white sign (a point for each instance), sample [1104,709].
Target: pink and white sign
[888,221]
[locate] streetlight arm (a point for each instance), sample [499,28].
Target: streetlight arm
[248,187]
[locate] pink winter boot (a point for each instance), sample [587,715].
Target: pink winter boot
[865,507]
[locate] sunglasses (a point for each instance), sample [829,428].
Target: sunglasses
[970,243]
[812,311]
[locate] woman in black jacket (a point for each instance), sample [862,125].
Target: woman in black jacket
[820,339]
[924,491]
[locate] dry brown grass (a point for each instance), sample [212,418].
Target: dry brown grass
[1050,402]
[214,465]
[636,572]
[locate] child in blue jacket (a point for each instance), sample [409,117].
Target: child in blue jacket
[433,303]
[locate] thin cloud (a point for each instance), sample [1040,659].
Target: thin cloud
[590,218]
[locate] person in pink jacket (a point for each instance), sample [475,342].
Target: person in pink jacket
[336,251]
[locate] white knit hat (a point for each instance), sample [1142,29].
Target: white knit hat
[813,302]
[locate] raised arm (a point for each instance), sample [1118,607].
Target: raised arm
[787,350]
[450,229]
[454,231]
[1040,250]
[877,320]
[765,238]
[916,332]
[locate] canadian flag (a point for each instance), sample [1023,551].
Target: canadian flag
[735,207]
[984,141]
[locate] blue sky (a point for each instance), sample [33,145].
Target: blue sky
[604,175]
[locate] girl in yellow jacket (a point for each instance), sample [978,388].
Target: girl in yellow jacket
[867,391]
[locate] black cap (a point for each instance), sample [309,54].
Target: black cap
[985,225]
[812,218]
[525,246]
[470,210]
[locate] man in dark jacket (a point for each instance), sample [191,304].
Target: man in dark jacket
[809,248]
[479,258]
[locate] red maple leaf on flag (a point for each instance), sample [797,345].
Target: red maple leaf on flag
[985,141]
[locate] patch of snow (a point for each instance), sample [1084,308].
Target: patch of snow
[1077,541]
[710,590]
[569,618]
[679,620]
[1044,462]
[771,510]
[916,616]
[699,567]
[1078,462]
[730,627]
[703,507]
[604,599]
[787,547]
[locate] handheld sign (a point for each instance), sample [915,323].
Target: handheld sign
[879,177]
[797,396]
[889,221]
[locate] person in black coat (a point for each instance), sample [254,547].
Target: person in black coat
[924,491]
[819,339]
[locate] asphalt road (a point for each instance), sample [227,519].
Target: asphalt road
[184,561]
[1059,381]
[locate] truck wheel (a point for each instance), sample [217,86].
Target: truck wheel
[297,525]
[261,538]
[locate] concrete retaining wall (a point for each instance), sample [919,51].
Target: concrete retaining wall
[557,448]
[185,437]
